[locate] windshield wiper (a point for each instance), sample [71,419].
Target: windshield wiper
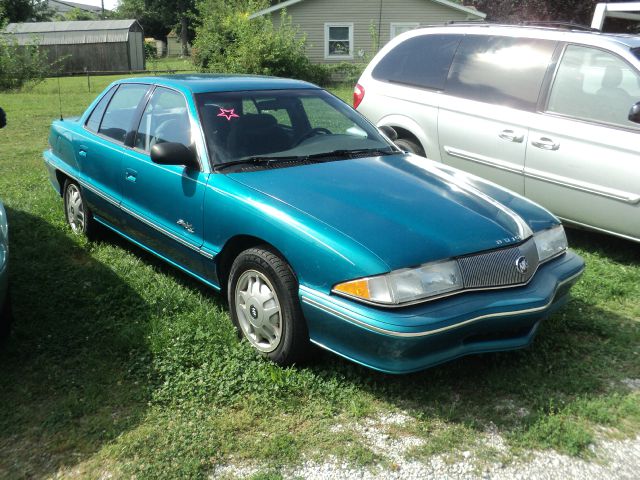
[269,160]
[257,160]
[374,152]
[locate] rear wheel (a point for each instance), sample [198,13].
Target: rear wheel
[264,306]
[410,146]
[77,213]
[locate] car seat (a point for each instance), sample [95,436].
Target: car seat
[256,134]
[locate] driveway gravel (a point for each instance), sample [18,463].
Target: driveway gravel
[611,459]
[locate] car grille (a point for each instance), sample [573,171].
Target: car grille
[499,268]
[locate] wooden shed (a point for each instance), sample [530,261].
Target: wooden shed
[94,46]
[174,45]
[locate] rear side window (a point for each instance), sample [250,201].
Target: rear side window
[93,122]
[595,85]
[421,61]
[500,70]
[122,108]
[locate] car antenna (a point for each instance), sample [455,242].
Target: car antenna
[60,99]
[58,76]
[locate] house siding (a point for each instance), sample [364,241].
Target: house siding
[311,15]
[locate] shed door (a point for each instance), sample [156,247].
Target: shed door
[136,51]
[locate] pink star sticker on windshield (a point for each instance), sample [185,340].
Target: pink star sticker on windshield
[228,113]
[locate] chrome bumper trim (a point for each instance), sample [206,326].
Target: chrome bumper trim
[481,159]
[426,333]
[624,197]
[621,196]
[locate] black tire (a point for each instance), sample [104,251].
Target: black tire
[410,146]
[74,206]
[293,344]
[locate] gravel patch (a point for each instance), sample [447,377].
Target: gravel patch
[612,459]
[632,384]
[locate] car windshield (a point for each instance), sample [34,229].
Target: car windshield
[283,124]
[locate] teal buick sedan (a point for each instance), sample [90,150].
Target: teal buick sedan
[5,303]
[314,224]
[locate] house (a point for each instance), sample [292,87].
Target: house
[93,46]
[63,7]
[346,30]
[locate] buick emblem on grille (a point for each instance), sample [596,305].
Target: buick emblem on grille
[522,265]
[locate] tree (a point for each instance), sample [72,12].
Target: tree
[516,11]
[227,40]
[185,11]
[24,11]
[150,20]
[158,17]
[20,64]
[76,14]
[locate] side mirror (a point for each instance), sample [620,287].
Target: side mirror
[169,153]
[390,132]
[634,113]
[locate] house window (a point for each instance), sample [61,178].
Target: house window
[338,40]
[398,28]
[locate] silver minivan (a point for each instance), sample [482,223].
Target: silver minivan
[549,113]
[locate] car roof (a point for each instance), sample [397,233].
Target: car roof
[568,33]
[203,83]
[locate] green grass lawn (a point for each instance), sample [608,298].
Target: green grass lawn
[119,364]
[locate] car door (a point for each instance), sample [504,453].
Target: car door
[164,202]
[583,161]
[490,96]
[99,151]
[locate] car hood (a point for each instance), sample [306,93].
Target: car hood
[401,207]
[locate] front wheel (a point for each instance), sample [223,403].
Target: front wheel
[76,212]
[264,306]
[410,146]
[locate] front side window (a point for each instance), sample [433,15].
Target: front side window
[338,38]
[421,61]
[118,117]
[592,84]
[504,71]
[282,123]
[165,119]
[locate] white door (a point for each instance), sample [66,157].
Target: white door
[583,154]
[486,140]
[491,96]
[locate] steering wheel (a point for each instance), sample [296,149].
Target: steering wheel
[311,133]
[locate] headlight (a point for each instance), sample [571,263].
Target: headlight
[406,285]
[550,242]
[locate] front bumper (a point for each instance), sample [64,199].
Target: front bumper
[413,338]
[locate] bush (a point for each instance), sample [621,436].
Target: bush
[20,64]
[228,41]
[150,50]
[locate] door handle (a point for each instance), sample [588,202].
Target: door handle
[545,143]
[82,151]
[130,175]
[511,136]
